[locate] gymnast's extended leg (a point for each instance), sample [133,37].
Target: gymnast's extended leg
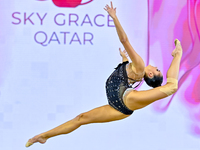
[98,115]
[139,99]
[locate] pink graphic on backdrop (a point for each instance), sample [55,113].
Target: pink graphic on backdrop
[69,3]
[180,22]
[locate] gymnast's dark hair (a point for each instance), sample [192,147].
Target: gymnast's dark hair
[153,82]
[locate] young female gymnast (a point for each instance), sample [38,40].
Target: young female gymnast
[122,100]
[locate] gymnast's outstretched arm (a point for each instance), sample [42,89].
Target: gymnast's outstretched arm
[139,99]
[135,58]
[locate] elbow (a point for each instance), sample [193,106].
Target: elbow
[123,40]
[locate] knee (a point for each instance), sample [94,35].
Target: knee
[170,89]
[175,89]
[81,118]
[174,84]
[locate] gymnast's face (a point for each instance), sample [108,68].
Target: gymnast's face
[152,71]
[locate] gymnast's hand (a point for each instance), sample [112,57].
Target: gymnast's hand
[111,11]
[178,50]
[124,55]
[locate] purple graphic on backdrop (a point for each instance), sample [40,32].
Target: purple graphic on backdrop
[182,23]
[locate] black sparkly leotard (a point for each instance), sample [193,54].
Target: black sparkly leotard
[116,85]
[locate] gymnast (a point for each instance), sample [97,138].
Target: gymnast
[122,99]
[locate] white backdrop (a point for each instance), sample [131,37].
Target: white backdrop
[44,85]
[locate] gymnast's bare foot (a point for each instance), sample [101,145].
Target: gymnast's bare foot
[38,138]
